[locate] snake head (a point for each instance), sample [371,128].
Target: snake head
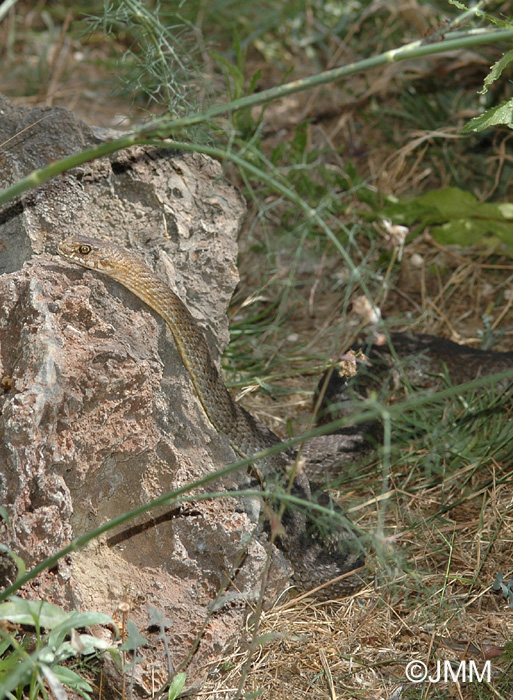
[90,252]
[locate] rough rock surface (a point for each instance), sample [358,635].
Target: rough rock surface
[98,414]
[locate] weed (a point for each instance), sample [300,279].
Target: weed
[37,638]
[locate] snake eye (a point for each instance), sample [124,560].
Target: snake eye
[84,249]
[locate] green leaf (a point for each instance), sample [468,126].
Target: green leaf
[116,657]
[68,677]
[19,677]
[55,640]
[88,643]
[501,114]
[43,614]
[496,71]
[8,662]
[74,620]
[32,612]
[134,638]
[496,586]
[459,5]
[457,217]
[451,203]
[5,643]
[156,617]
[236,86]
[176,686]
[53,681]
[20,564]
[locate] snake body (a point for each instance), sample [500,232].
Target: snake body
[317,553]
[131,271]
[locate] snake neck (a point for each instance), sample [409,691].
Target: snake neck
[246,435]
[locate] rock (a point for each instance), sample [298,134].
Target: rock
[98,414]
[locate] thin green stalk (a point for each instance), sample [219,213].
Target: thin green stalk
[281,187]
[415,49]
[172,497]
[164,128]
[6,6]
[38,177]
[177,496]
[385,470]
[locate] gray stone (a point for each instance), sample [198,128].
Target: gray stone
[98,414]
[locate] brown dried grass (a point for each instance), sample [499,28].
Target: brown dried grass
[432,598]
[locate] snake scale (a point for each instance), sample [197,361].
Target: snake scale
[320,548]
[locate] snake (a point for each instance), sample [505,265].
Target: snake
[320,548]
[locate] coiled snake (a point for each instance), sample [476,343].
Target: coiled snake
[318,551]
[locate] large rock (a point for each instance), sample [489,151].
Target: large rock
[98,414]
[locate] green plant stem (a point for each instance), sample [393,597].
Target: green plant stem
[276,184]
[415,49]
[176,497]
[173,497]
[164,128]
[6,6]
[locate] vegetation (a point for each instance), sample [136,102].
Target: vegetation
[32,659]
[340,122]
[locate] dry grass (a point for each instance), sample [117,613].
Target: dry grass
[447,535]
[446,540]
